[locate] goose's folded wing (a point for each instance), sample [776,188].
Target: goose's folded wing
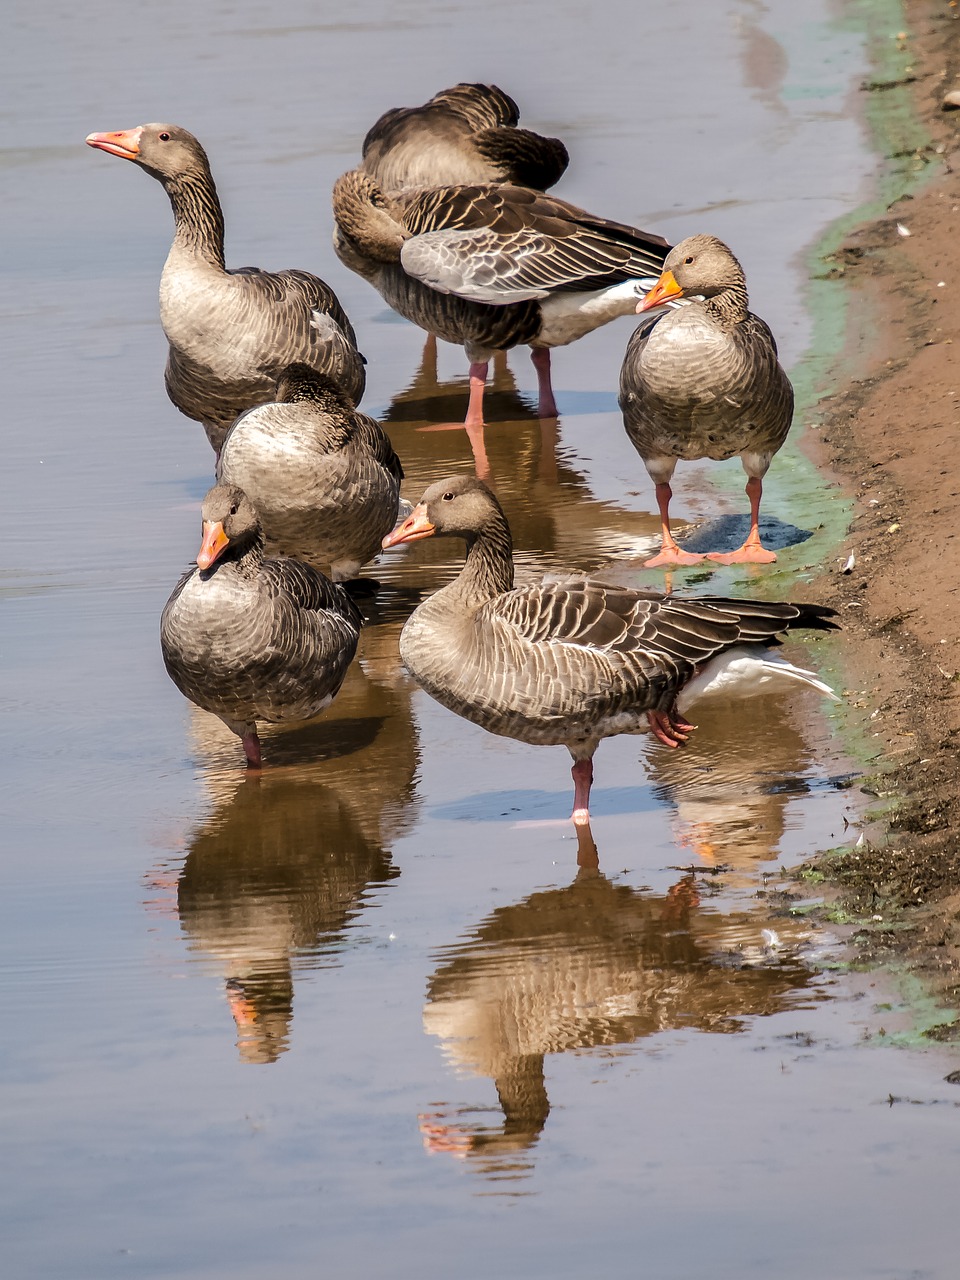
[308,590]
[373,437]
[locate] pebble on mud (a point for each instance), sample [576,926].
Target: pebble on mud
[951,101]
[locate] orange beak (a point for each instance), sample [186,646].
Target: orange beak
[415,527]
[214,541]
[665,289]
[124,143]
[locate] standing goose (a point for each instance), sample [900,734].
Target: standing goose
[323,477]
[704,381]
[466,134]
[250,638]
[231,333]
[492,266]
[574,661]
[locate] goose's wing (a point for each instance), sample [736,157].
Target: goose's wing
[371,435]
[503,243]
[308,590]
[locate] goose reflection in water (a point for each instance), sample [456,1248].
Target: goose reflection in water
[593,964]
[282,868]
[550,504]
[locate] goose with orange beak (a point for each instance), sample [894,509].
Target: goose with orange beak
[704,381]
[250,638]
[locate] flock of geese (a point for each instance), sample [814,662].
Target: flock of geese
[447,217]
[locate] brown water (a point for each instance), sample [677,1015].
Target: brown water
[375,1014]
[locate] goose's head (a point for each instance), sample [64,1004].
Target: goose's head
[229,520]
[459,507]
[698,266]
[166,151]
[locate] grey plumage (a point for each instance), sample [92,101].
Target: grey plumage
[566,662]
[323,477]
[466,134]
[250,638]
[230,332]
[704,381]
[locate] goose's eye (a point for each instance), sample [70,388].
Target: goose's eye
[234,509]
[688,262]
[164,137]
[447,497]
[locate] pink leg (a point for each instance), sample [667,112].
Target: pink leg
[541,362]
[251,749]
[669,728]
[478,380]
[670,553]
[753,551]
[582,772]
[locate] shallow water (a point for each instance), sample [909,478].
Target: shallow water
[375,1013]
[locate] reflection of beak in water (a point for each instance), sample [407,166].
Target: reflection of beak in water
[732,793]
[275,878]
[594,964]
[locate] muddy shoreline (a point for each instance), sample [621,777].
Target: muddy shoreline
[889,434]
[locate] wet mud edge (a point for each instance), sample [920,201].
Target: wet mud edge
[890,431]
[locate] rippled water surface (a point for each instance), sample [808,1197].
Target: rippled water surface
[375,1013]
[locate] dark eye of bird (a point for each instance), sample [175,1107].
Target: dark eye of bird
[164,137]
[447,497]
[688,262]
[233,509]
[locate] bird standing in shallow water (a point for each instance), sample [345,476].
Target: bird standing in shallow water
[704,381]
[573,661]
[231,333]
[251,638]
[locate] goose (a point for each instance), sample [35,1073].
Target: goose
[704,381]
[323,477]
[464,134]
[493,265]
[251,638]
[574,660]
[230,332]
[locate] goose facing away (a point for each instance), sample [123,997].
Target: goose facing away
[230,333]
[574,661]
[494,265]
[251,638]
[704,381]
[466,134]
[323,477]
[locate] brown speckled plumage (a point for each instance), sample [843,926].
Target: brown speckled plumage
[251,638]
[230,332]
[323,476]
[466,134]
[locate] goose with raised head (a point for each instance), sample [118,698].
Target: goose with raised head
[572,661]
[493,266]
[323,477]
[704,381]
[230,333]
[469,133]
[250,638]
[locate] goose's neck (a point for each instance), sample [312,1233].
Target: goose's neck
[243,561]
[730,306]
[198,217]
[367,218]
[488,569]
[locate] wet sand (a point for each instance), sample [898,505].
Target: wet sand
[890,433]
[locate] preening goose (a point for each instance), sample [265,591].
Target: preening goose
[466,134]
[492,266]
[323,477]
[574,661]
[251,638]
[231,333]
[704,381]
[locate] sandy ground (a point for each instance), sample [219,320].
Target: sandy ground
[891,435]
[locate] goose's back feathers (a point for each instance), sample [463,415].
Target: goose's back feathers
[468,133]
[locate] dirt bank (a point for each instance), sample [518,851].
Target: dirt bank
[894,436]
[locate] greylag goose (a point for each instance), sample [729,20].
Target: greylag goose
[250,638]
[492,266]
[704,381]
[230,332]
[323,477]
[465,134]
[570,662]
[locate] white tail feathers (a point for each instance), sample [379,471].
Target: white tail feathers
[746,670]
